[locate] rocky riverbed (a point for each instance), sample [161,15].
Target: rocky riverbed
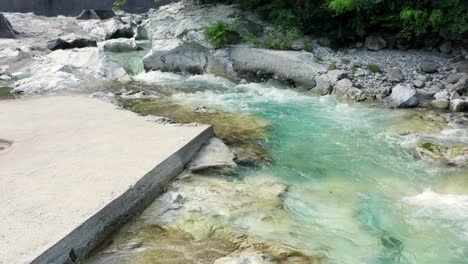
[319,166]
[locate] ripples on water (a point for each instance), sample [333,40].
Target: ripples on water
[357,193]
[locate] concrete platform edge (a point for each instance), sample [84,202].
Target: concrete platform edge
[77,245]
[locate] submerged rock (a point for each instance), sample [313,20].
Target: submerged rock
[452,155]
[214,155]
[6,31]
[403,96]
[290,66]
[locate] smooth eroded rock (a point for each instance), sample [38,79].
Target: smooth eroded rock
[294,66]
[175,55]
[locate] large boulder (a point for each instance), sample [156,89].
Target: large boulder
[71,44]
[290,66]
[6,31]
[175,55]
[344,89]
[96,14]
[404,96]
[375,43]
[120,45]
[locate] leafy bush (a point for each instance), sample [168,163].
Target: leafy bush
[220,34]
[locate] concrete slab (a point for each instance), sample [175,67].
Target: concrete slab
[72,169]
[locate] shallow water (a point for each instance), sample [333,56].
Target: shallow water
[356,190]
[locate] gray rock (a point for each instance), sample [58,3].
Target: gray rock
[336,75]
[418,83]
[458,105]
[375,43]
[344,89]
[297,44]
[96,14]
[323,85]
[294,66]
[395,75]
[221,65]
[6,31]
[445,47]
[444,95]
[440,103]
[462,67]
[324,41]
[454,78]
[421,77]
[404,96]
[359,45]
[175,55]
[454,95]
[214,155]
[141,33]
[462,84]
[429,66]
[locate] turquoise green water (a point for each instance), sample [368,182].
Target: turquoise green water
[357,191]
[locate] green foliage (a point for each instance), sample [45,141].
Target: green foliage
[118,4]
[348,20]
[220,34]
[281,38]
[374,68]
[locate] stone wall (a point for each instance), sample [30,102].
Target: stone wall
[72,7]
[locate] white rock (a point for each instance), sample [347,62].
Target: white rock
[441,95]
[120,45]
[403,96]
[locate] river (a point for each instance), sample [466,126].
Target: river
[345,182]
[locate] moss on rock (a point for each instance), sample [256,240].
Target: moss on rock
[243,132]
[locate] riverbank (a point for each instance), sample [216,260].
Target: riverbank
[74,169]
